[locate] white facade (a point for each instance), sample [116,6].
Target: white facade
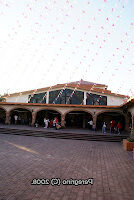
[23,98]
[18,98]
[114,101]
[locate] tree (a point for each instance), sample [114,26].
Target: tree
[2,99]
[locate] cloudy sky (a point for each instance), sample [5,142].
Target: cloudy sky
[45,42]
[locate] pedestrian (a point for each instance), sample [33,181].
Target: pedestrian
[93,127]
[44,122]
[51,123]
[119,126]
[36,124]
[58,126]
[16,119]
[112,125]
[90,124]
[55,122]
[19,120]
[104,128]
[115,129]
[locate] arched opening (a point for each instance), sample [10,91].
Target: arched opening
[2,116]
[78,119]
[21,116]
[48,114]
[107,117]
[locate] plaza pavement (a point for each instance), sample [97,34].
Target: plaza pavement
[24,158]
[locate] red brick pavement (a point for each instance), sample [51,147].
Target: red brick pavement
[24,158]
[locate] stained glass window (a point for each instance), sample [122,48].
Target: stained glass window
[37,98]
[66,96]
[95,99]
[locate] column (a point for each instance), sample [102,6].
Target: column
[47,97]
[63,121]
[33,118]
[127,123]
[133,121]
[85,97]
[7,121]
[94,120]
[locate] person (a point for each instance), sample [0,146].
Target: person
[16,118]
[112,125]
[44,122]
[19,120]
[90,124]
[93,127]
[48,123]
[115,129]
[104,128]
[51,123]
[119,127]
[55,121]
[36,124]
[58,126]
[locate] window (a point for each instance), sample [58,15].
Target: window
[37,98]
[95,99]
[53,95]
[66,96]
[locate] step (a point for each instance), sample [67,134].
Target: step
[63,135]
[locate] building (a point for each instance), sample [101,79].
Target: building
[79,93]
[73,103]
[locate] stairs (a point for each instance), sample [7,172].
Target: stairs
[63,134]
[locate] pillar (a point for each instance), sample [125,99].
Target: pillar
[85,97]
[133,121]
[33,118]
[127,123]
[95,120]
[7,121]
[63,121]
[47,97]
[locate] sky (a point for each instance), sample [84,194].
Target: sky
[46,42]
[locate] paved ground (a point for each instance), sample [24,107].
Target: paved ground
[24,158]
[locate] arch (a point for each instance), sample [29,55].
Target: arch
[1,107]
[20,107]
[47,113]
[54,109]
[104,111]
[78,118]
[109,115]
[2,115]
[24,116]
[83,110]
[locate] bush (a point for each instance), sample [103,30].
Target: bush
[131,138]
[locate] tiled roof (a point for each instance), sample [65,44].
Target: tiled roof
[82,82]
[92,87]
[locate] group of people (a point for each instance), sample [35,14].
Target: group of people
[114,127]
[53,123]
[16,119]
